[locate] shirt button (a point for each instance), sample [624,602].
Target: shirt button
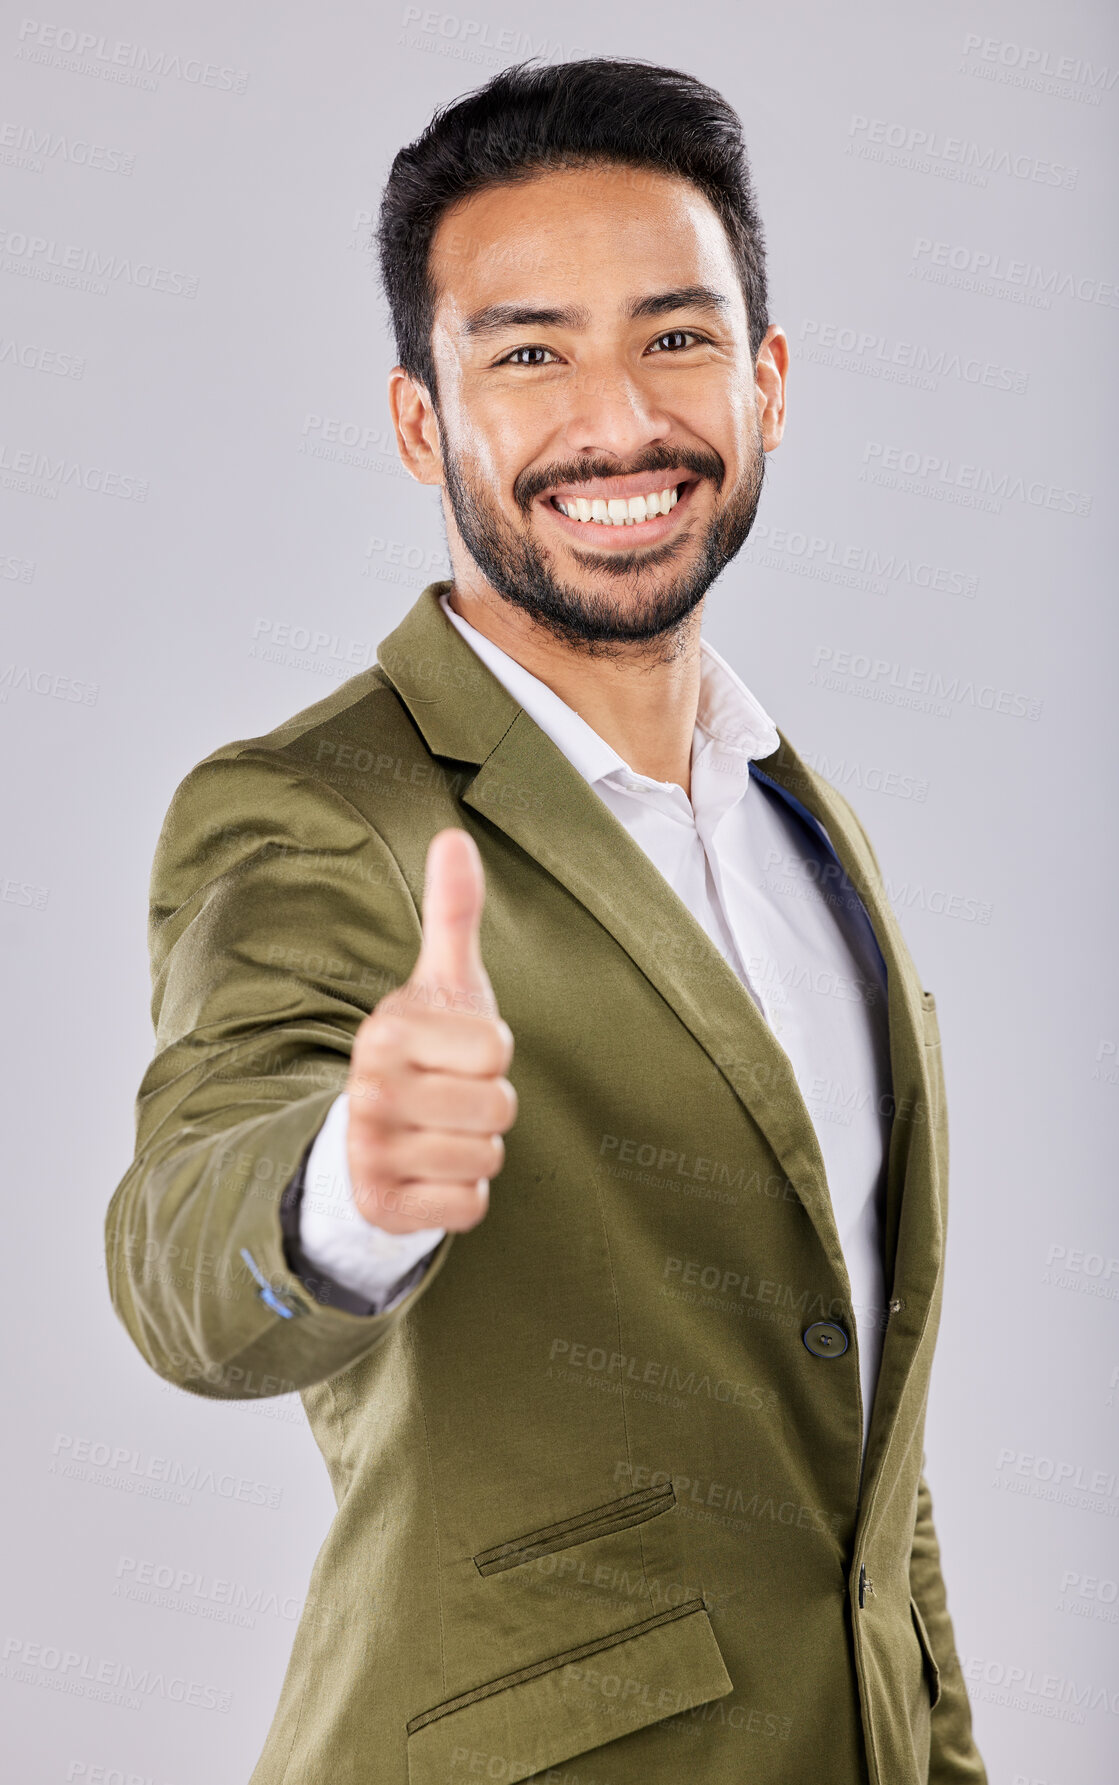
[824,1339]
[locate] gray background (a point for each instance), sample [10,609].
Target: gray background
[238,560]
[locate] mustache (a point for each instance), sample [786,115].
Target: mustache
[533,483]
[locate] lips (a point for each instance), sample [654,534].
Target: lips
[644,502]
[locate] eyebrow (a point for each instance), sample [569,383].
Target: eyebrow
[493,319]
[688,297]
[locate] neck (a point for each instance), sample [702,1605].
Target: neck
[641,697]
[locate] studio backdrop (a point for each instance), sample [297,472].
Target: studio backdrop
[205,528]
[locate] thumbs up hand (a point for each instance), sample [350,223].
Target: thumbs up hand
[428,1099]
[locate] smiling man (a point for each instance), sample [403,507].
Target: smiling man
[628,1455]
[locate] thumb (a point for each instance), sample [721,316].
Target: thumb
[450,959]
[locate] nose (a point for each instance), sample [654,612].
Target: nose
[611,412]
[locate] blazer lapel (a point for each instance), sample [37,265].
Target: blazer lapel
[911,1084]
[527,788]
[913,1236]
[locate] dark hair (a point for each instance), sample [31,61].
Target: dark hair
[530,119]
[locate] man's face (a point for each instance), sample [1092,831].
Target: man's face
[600,437]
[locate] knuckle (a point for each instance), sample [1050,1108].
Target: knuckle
[393,1014]
[368,1173]
[366,1100]
[371,1049]
[386,1094]
[388,1029]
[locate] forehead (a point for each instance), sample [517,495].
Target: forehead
[579,236]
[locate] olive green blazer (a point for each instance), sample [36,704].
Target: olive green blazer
[599,1506]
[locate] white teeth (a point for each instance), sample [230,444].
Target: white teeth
[619,511]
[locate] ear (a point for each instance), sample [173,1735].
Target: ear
[770,374]
[417,430]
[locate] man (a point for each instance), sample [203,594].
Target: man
[627,1455]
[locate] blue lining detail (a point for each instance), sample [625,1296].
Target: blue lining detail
[793,801]
[266,1292]
[818,829]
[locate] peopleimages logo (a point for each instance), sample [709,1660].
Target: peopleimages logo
[949,157]
[67,263]
[118,1465]
[129,64]
[475,40]
[31,146]
[1037,69]
[349,443]
[208,1596]
[925,690]
[973,486]
[913,363]
[24,468]
[994,275]
[81,1674]
[40,359]
[815,555]
[1062,1474]
[1051,1695]
[842,773]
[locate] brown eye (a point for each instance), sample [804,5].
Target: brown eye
[515,358]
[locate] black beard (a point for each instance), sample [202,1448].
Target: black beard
[521,571]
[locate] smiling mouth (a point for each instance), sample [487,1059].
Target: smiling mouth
[618,511]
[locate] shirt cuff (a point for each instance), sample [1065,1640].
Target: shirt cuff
[334,1239]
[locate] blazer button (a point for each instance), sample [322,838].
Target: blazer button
[825,1339]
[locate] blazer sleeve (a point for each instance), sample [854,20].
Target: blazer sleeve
[954,1758]
[278,918]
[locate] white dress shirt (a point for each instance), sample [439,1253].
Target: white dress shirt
[773,899]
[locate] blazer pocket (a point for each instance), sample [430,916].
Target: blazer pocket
[552,1710]
[932,1671]
[601,1521]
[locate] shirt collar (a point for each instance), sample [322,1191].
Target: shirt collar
[731,724]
